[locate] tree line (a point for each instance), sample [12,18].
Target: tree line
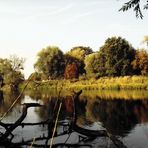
[116,57]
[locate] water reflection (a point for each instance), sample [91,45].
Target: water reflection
[6,99]
[117,116]
[120,116]
[1,98]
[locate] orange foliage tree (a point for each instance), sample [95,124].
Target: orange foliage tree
[71,71]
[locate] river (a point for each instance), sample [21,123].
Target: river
[122,113]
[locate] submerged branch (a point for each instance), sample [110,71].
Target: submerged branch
[19,121]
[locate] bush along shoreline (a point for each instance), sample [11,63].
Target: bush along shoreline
[103,83]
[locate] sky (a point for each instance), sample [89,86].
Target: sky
[27,26]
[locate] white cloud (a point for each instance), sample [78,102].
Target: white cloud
[54,12]
[75,18]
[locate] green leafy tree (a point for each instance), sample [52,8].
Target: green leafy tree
[35,76]
[11,74]
[140,63]
[135,4]
[50,62]
[117,55]
[94,65]
[80,52]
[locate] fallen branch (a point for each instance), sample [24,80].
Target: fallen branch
[18,122]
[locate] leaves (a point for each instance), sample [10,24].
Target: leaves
[135,4]
[80,52]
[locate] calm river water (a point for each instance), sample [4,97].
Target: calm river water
[122,113]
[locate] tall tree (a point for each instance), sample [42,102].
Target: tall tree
[50,62]
[118,54]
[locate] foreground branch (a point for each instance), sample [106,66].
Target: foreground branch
[18,122]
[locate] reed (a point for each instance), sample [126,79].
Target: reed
[107,83]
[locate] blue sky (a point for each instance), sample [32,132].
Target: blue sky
[27,26]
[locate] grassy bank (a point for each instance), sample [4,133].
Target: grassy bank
[104,83]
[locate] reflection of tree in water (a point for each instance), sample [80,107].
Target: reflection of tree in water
[1,98]
[81,108]
[120,116]
[49,107]
[141,111]
[69,107]
[6,99]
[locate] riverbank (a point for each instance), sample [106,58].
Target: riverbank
[103,83]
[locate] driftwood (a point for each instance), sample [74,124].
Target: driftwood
[73,127]
[92,133]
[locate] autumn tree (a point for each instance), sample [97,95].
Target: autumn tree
[72,60]
[140,63]
[50,62]
[116,56]
[71,71]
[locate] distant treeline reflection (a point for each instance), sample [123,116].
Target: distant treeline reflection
[103,94]
[6,100]
[118,115]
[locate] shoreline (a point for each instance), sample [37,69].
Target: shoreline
[103,83]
